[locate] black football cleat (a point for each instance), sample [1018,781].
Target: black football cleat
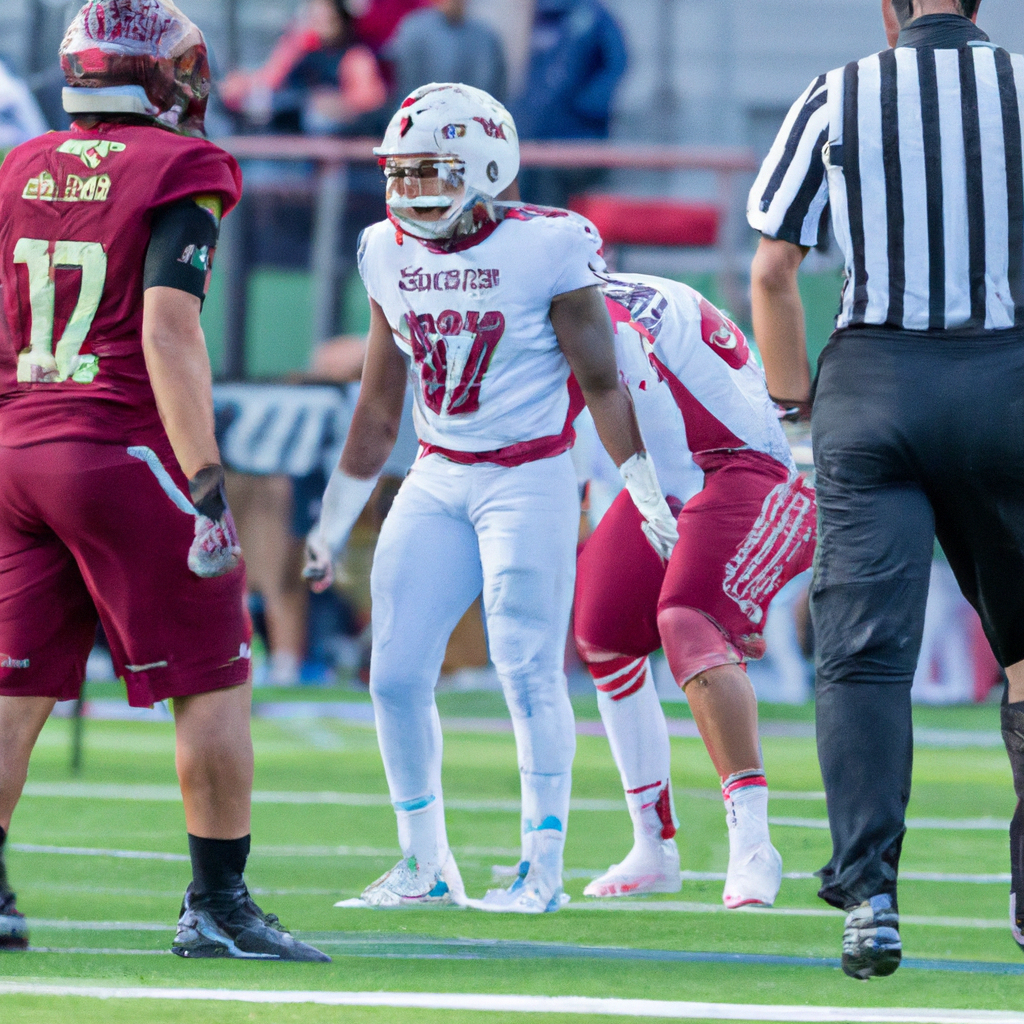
[13,929]
[229,924]
[871,939]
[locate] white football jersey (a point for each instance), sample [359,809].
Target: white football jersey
[695,385]
[473,322]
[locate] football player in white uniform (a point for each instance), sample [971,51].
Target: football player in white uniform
[746,525]
[493,312]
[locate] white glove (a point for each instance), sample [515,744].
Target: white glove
[215,549]
[659,524]
[344,498]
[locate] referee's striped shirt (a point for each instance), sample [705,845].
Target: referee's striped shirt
[919,154]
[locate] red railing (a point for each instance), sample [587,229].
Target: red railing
[332,155]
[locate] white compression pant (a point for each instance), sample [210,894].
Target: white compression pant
[453,532]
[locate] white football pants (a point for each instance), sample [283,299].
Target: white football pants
[453,532]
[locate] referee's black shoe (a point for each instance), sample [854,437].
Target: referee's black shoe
[871,939]
[229,924]
[13,929]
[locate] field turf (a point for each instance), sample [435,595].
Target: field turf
[309,851]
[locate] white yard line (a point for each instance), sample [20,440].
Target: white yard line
[686,907]
[159,793]
[582,1005]
[940,824]
[171,794]
[88,851]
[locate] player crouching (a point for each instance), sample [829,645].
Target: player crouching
[746,525]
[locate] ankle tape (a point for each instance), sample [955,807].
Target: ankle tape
[741,780]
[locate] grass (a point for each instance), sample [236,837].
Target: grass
[330,755]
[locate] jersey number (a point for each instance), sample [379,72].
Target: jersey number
[42,361]
[456,346]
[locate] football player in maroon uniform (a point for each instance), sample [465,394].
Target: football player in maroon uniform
[113,504]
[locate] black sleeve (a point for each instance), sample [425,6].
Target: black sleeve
[181,247]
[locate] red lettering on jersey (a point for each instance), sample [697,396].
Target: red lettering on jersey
[430,351]
[488,330]
[722,336]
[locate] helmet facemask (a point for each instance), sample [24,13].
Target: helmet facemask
[429,182]
[449,149]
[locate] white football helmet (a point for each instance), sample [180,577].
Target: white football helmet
[448,146]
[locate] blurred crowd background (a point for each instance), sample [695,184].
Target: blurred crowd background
[712,78]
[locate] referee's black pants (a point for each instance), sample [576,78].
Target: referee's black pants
[916,435]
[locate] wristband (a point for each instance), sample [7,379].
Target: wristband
[206,489]
[344,499]
[642,483]
[793,410]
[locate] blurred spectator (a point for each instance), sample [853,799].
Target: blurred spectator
[440,44]
[20,116]
[577,56]
[319,77]
[376,20]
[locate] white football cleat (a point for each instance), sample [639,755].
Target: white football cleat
[411,884]
[648,867]
[530,893]
[754,876]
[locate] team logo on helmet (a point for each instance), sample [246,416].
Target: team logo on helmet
[494,131]
[453,131]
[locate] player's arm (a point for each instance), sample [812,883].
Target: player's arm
[178,365]
[778,316]
[371,437]
[584,331]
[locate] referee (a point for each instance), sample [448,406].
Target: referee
[918,407]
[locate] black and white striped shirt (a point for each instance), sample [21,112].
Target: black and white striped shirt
[918,151]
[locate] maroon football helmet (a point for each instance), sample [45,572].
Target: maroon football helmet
[137,57]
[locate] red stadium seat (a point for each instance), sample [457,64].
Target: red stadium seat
[630,220]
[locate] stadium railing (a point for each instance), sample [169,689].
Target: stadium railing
[331,157]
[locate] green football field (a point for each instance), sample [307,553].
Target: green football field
[99,863]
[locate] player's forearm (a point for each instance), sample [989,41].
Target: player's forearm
[179,371]
[371,437]
[778,317]
[615,421]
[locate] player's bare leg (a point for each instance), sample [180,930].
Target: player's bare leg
[214,760]
[724,707]
[706,665]
[213,756]
[638,736]
[21,721]
[1012,721]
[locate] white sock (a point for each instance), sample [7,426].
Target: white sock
[544,820]
[421,830]
[746,808]
[638,736]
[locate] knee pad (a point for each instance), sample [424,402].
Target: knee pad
[693,643]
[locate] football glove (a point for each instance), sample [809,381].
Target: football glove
[659,524]
[344,499]
[215,549]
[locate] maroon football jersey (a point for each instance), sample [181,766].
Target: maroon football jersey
[76,210]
